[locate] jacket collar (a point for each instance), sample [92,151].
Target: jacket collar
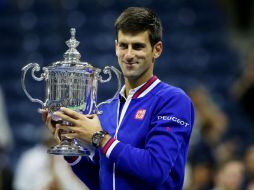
[141,90]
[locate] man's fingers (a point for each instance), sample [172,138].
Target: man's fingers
[91,116]
[49,124]
[42,110]
[63,131]
[44,114]
[65,117]
[69,135]
[66,128]
[71,113]
[57,134]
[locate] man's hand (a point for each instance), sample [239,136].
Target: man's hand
[83,126]
[50,124]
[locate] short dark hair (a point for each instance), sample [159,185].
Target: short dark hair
[138,19]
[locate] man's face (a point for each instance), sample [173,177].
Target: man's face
[136,55]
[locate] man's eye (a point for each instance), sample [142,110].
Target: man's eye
[138,46]
[123,46]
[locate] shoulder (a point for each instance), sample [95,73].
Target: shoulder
[175,103]
[165,91]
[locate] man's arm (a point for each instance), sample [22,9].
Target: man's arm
[86,169]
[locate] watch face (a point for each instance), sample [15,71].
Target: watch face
[97,139]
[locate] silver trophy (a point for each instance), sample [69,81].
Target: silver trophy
[73,84]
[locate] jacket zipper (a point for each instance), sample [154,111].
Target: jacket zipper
[124,109]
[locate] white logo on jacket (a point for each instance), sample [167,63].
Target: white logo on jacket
[174,119]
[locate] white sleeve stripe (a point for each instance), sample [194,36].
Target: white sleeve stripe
[76,161]
[110,149]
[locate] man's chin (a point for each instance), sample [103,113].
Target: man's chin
[130,76]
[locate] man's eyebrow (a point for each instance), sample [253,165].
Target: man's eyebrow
[140,44]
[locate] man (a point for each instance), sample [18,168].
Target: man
[144,132]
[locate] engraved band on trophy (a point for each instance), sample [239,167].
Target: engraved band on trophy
[73,84]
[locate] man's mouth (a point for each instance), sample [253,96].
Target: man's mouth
[130,63]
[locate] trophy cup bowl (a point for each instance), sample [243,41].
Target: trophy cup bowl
[73,84]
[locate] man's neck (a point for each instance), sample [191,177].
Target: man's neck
[131,84]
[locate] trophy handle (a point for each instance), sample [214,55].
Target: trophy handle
[107,70]
[35,67]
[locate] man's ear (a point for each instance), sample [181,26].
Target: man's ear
[157,49]
[116,49]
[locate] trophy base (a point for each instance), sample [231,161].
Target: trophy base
[68,148]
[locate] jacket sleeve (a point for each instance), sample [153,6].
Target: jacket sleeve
[86,169]
[167,140]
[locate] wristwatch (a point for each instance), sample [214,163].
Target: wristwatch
[97,138]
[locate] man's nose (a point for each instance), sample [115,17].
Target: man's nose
[129,54]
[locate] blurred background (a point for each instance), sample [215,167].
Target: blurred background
[208,51]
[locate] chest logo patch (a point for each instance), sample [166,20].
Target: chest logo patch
[140,114]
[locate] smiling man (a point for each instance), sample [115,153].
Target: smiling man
[143,135]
